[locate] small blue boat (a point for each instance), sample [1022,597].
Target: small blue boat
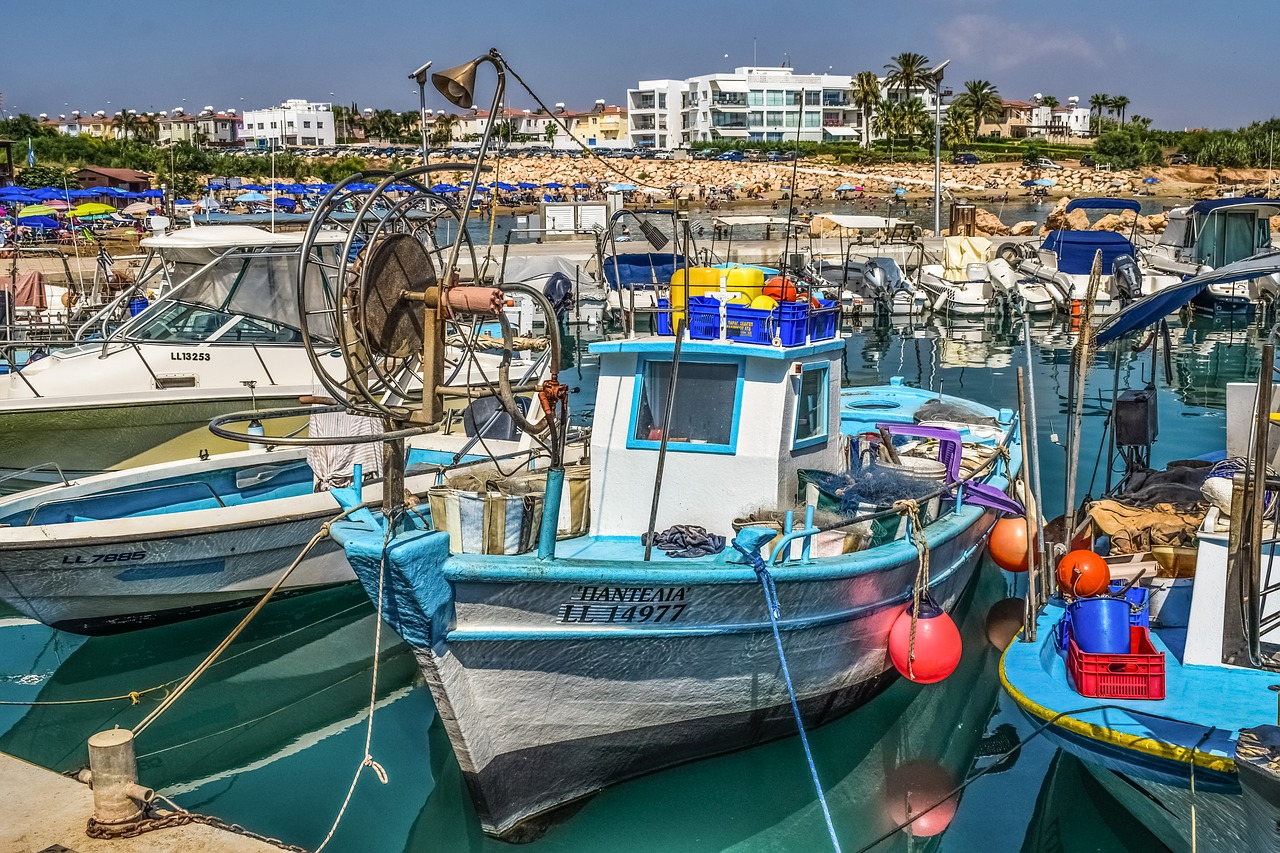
[561,672]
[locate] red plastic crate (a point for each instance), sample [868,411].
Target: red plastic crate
[1137,675]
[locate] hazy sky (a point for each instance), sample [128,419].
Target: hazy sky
[1181,63]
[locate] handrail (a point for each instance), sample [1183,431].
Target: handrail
[134,491]
[53,465]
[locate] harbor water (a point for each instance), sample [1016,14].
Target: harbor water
[272,735]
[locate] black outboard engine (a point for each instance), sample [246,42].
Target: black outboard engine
[1127,278]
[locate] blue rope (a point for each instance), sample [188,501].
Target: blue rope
[771,601]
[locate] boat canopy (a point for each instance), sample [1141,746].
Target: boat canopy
[867,223]
[1103,204]
[1211,204]
[1076,249]
[734,221]
[1149,309]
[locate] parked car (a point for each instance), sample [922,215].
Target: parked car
[1040,163]
[1087,161]
[704,154]
[755,155]
[1179,160]
[735,156]
[780,156]
[965,158]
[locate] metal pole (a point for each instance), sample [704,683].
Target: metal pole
[420,76]
[1031,435]
[662,444]
[1032,607]
[937,155]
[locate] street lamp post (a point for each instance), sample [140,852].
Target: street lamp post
[420,77]
[936,74]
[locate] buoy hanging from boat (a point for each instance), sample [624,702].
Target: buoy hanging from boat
[780,288]
[936,652]
[1008,544]
[919,789]
[1083,573]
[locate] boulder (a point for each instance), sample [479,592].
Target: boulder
[988,224]
[1025,228]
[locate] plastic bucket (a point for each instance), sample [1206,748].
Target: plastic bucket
[1101,625]
[137,305]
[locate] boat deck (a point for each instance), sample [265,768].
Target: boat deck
[1199,719]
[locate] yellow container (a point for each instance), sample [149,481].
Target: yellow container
[701,279]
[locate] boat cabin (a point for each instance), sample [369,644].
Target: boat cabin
[1219,231]
[746,417]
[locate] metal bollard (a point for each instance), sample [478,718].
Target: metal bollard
[113,775]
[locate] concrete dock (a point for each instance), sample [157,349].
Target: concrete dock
[44,811]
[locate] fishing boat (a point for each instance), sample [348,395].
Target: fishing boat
[964,283]
[167,542]
[1210,234]
[1177,720]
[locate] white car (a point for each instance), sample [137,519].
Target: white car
[1040,163]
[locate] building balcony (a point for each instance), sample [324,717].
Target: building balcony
[644,125]
[833,122]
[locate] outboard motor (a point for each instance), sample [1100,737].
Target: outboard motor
[1126,278]
[876,278]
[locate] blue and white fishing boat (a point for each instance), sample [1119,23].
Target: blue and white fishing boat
[1210,234]
[561,672]
[1182,732]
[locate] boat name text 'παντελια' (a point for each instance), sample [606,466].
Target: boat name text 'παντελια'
[612,604]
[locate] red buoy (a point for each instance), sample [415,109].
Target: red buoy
[1083,573]
[780,288]
[1008,544]
[921,789]
[937,645]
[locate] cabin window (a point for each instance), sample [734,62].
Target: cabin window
[704,418]
[811,406]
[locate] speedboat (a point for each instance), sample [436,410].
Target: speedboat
[963,285]
[600,658]
[222,335]
[1063,262]
[1211,233]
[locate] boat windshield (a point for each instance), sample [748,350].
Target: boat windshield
[182,321]
[256,288]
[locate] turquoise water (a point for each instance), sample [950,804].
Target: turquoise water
[272,735]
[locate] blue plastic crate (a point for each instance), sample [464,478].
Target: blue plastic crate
[822,320]
[664,318]
[788,322]
[704,318]
[1136,596]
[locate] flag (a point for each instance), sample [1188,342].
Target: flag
[31,153]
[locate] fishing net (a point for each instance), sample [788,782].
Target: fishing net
[945,410]
[874,488]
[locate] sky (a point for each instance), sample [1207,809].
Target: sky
[1181,63]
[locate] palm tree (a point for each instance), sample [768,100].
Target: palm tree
[956,125]
[442,130]
[1048,101]
[126,124]
[866,97]
[888,121]
[1119,103]
[981,101]
[907,71]
[915,118]
[1098,102]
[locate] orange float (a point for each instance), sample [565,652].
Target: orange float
[1083,573]
[1008,544]
[937,646]
[780,288]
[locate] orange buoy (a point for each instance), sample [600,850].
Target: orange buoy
[920,791]
[937,645]
[780,288]
[1008,544]
[1083,573]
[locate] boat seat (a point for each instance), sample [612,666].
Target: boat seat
[485,417]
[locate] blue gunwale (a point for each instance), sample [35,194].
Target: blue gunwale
[1215,700]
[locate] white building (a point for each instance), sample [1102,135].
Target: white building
[294,122]
[754,104]
[208,127]
[1069,120]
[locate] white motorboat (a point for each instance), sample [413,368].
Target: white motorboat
[1211,233]
[963,285]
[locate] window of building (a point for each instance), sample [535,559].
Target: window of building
[811,406]
[704,417]
[793,119]
[306,124]
[773,118]
[793,98]
[812,99]
[755,119]
[260,125]
[812,119]
[662,100]
[755,98]
[290,125]
[273,125]
[319,124]
[773,98]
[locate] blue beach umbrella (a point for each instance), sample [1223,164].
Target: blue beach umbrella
[151,194]
[552,185]
[845,188]
[286,204]
[526,185]
[1044,182]
[252,196]
[899,190]
[1151,180]
[37,222]
[581,186]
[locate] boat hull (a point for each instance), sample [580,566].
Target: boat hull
[549,693]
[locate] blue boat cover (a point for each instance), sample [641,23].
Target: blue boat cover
[641,269]
[1076,249]
[1211,204]
[1103,204]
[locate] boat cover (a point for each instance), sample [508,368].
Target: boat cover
[641,269]
[1076,249]
[1211,204]
[1103,204]
[959,252]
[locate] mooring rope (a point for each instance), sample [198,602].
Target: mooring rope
[367,760]
[771,603]
[915,532]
